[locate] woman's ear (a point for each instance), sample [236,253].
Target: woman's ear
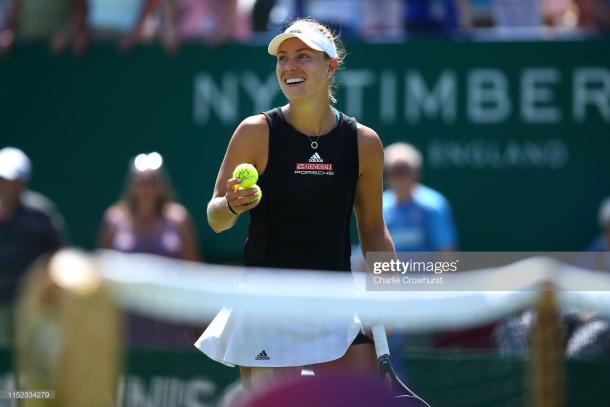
[332,66]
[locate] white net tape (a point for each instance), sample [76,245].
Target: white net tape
[193,292]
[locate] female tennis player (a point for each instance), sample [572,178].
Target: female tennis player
[316,166]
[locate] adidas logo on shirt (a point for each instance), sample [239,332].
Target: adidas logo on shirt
[262,356]
[315,158]
[314,166]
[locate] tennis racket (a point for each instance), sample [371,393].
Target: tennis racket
[386,371]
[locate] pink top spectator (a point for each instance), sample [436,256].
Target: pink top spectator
[164,241]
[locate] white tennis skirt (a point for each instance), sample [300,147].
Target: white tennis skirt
[235,339]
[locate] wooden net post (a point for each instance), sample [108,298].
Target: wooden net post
[67,334]
[547,362]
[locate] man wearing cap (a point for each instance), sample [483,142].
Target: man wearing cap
[29,227]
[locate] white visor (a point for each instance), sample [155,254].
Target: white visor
[306,33]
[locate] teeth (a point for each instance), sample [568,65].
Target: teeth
[295,80]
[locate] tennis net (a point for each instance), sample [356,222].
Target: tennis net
[522,320]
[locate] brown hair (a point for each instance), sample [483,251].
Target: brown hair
[336,40]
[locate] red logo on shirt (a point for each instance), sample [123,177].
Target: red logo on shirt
[314,169]
[315,166]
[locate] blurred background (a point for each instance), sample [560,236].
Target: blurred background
[507,102]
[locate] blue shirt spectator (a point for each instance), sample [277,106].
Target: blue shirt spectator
[424,223]
[418,218]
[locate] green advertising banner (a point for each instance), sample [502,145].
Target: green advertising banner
[187,379]
[176,378]
[515,134]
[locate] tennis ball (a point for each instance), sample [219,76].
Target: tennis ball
[247,173]
[259,192]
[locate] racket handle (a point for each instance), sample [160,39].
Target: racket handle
[381,340]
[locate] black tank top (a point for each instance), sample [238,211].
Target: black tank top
[308,195]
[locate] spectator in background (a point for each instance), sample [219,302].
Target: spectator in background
[436,17]
[560,13]
[481,14]
[383,19]
[418,218]
[60,21]
[592,259]
[587,336]
[209,21]
[602,242]
[3,8]
[594,15]
[131,20]
[512,17]
[176,21]
[261,13]
[591,337]
[342,16]
[148,220]
[30,226]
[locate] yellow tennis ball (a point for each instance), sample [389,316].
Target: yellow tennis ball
[259,192]
[247,173]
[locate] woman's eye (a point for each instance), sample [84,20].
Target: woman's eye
[282,58]
[303,56]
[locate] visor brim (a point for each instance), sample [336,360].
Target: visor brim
[275,43]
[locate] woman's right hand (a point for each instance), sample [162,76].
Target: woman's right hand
[240,200]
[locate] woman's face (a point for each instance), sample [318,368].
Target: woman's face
[146,186]
[301,71]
